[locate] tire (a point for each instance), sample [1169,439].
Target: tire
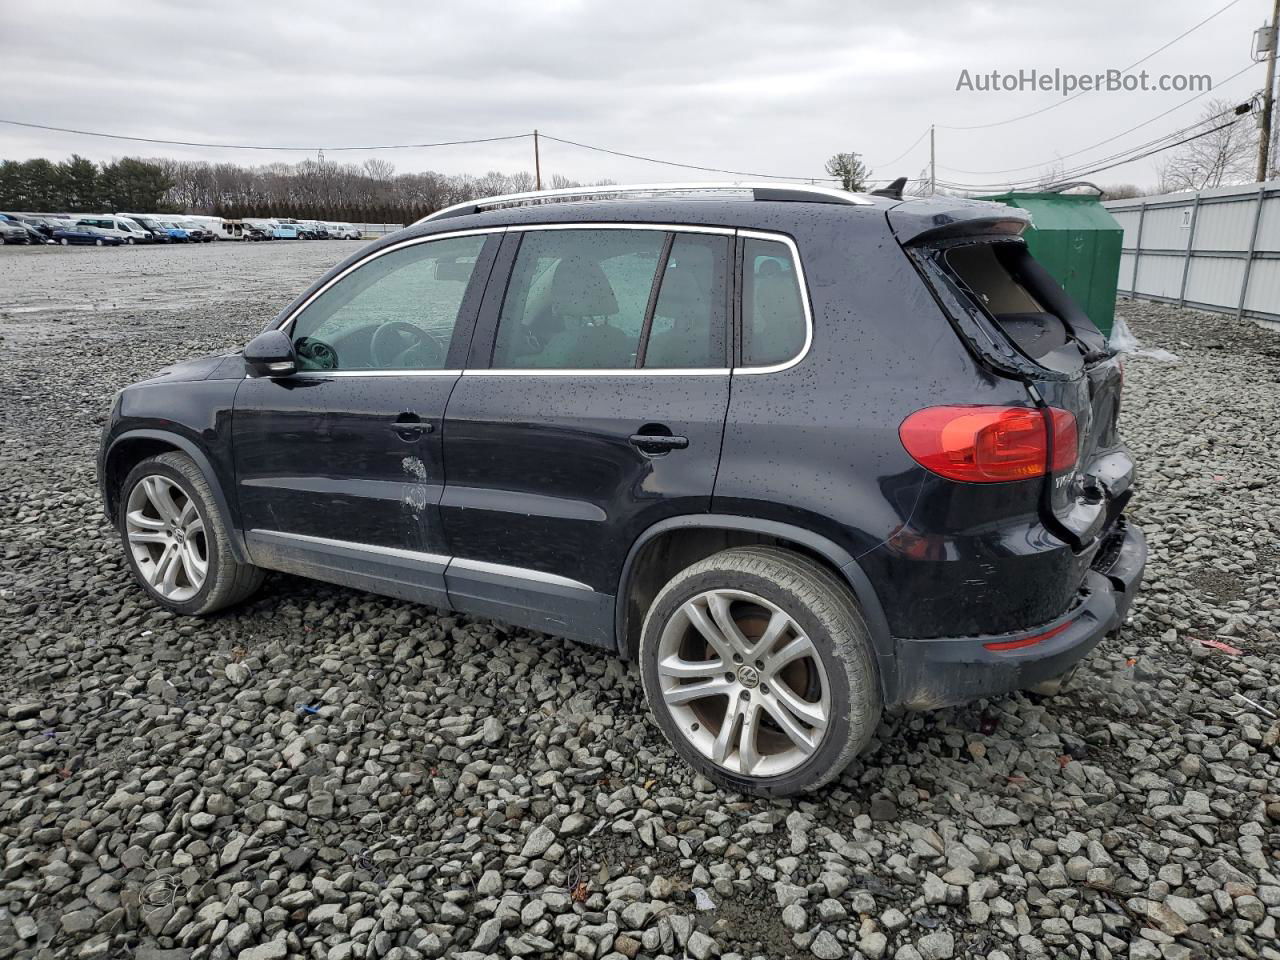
[64,241]
[838,671]
[129,241]
[97,243]
[226,581]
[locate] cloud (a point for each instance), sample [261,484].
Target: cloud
[769,86]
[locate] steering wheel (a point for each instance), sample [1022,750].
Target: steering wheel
[397,340]
[317,354]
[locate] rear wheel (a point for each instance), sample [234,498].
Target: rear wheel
[175,541]
[64,241]
[758,669]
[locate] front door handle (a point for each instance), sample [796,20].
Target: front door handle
[656,444]
[410,427]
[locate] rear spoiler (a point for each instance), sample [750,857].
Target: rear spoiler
[928,220]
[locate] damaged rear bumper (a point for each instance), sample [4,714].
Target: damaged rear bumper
[940,672]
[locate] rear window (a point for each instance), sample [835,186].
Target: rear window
[989,273]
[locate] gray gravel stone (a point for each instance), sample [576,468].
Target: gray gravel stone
[937,946]
[356,762]
[826,947]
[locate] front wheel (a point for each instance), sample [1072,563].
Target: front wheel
[175,541]
[129,240]
[759,671]
[97,243]
[64,241]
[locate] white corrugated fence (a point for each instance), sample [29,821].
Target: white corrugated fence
[1213,249]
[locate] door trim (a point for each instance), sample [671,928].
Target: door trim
[433,559]
[398,552]
[519,573]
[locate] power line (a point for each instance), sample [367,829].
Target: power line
[685,166]
[1075,96]
[1086,172]
[248,146]
[408,146]
[1139,126]
[889,163]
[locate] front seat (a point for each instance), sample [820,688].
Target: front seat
[581,300]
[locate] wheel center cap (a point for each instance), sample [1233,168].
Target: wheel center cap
[178,535]
[748,676]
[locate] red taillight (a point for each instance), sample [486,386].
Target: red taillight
[989,444]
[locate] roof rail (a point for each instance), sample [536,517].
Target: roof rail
[707,191]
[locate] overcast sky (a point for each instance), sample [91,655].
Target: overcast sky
[768,87]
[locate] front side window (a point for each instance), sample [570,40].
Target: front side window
[773,318]
[597,300]
[397,311]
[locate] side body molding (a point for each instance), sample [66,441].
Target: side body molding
[837,556]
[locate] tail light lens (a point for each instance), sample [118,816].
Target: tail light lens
[990,444]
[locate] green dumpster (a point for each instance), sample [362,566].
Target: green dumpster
[1078,241]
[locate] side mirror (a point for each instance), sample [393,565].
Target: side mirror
[271,354]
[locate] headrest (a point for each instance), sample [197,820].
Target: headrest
[682,295]
[579,288]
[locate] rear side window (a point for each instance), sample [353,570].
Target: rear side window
[689,315]
[598,300]
[773,319]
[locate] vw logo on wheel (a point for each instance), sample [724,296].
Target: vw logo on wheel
[748,676]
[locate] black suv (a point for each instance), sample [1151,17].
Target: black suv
[801,453]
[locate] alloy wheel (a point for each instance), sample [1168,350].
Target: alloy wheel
[167,537]
[743,682]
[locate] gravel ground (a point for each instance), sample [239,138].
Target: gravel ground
[327,774]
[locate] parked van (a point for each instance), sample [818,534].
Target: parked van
[159,231]
[221,229]
[342,231]
[114,225]
[286,231]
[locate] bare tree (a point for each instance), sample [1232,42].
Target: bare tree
[1224,155]
[850,170]
[1053,174]
[1122,191]
[376,168]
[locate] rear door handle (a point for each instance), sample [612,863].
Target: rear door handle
[657,443]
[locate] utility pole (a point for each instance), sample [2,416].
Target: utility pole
[538,163]
[1268,95]
[933,168]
